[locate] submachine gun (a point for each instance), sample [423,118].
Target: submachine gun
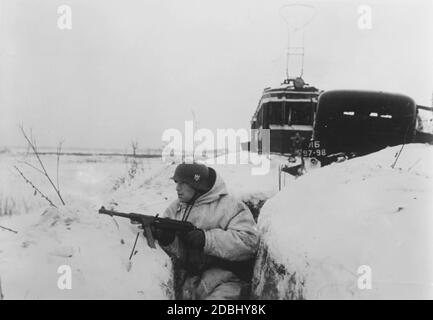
[148,222]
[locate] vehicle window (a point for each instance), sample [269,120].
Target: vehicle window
[275,112]
[301,113]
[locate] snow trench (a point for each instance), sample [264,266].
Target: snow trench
[272,280]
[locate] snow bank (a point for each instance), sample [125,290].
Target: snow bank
[95,247]
[325,233]
[96,250]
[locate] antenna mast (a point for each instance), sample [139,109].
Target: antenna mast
[296,17]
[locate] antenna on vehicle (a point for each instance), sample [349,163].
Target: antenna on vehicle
[297,17]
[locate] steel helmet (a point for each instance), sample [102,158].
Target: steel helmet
[196,175]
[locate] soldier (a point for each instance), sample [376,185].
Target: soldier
[215,260]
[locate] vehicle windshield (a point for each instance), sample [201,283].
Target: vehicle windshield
[289,113]
[301,113]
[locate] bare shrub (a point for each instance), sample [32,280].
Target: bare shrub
[42,169]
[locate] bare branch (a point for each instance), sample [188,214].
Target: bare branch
[32,143]
[32,166]
[8,229]
[115,222]
[134,146]
[59,149]
[35,188]
[397,156]
[401,150]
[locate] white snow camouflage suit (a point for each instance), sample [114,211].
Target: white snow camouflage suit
[231,236]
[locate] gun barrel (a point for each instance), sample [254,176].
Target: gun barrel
[164,223]
[113,213]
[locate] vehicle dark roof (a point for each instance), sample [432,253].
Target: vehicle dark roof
[363,94]
[361,122]
[336,100]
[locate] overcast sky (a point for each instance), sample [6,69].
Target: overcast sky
[131,69]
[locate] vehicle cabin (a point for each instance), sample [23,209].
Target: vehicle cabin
[424,133]
[360,122]
[288,111]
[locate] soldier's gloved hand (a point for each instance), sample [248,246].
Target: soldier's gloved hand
[164,237]
[195,239]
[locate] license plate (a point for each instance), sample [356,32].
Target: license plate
[314,149]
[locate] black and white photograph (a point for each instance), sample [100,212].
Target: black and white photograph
[216,150]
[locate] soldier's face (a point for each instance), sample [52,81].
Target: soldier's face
[184,192]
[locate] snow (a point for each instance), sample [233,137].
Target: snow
[331,224]
[95,247]
[317,233]
[91,246]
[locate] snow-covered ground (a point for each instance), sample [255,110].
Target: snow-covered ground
[317,233]
[95,247]
[354,230]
